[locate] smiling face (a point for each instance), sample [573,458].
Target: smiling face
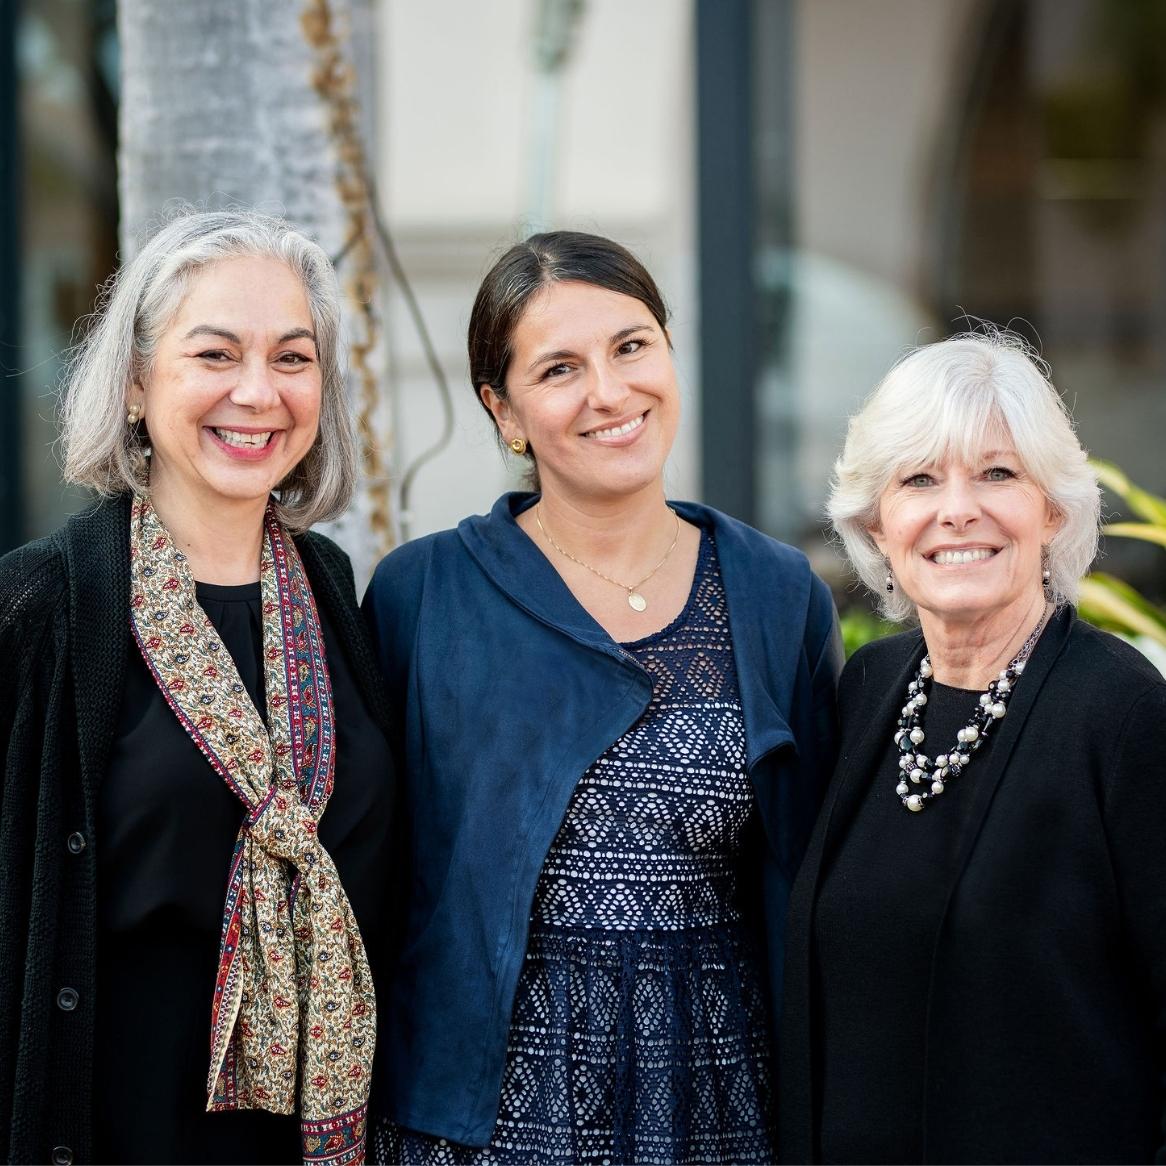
[232,400]
[592,388]
[964,540]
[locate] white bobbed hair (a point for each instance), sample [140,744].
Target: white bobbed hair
[951,399]
[133,311]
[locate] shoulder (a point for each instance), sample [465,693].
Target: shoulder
[1091,650]
[879,661]
[404,568]
[34,585]
[327,556]
[740,539]
[1111,675]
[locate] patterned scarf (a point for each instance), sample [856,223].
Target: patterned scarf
[293,995]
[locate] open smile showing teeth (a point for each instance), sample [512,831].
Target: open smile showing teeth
[952,558]
[248,440]
[617,430]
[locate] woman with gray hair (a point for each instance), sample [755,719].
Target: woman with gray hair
[976,961]
[187,687]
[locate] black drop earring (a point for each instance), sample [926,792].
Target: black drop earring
[890,576]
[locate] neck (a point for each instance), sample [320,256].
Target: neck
[617,535]
[222,546]
[969,653]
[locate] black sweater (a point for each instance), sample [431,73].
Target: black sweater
[1045,1004]
[64,639]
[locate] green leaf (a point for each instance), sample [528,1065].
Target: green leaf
[1141,502]
[1143,530]
[1110,603]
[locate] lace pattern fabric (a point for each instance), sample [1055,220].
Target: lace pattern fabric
[640,1030]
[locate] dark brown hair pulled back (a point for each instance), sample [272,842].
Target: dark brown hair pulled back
[553,257]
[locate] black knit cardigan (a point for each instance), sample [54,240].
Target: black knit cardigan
[64,641]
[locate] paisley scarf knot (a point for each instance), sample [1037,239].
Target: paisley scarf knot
[285,829]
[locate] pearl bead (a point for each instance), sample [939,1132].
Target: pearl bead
[921,760]
[998,710]
[937,787]
[972,733]
[906,763]
[902,788]
[941,761]
[917,736]
[1003,684]
[915,802]
[985,699]
[920,699]
[925,667]
[962,736]
[916,775]
[1018,667]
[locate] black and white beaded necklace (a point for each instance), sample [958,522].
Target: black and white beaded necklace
[920,770]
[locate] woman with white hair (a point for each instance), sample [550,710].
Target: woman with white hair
[976,962]
[187,688]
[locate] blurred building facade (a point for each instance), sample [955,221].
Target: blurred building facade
[816,184]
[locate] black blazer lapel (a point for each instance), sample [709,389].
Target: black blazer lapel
[985,783]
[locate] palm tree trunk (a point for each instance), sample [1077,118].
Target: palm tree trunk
[256,102]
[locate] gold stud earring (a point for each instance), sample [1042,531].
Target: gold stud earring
[518,444]
[134,414]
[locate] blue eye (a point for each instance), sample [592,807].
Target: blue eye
[918,480]
[999,474]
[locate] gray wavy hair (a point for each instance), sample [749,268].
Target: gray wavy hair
[945,400]
[133,311]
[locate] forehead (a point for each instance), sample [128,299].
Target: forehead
[571,313]
[247,290]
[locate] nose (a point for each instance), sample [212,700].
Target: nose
[959,506]
[607,390]
[255,387]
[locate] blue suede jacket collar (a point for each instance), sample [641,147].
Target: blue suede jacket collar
[757,598]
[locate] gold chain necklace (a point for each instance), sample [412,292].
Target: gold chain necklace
[635,600]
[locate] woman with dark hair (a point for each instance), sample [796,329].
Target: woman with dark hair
[197,782]
[616,714]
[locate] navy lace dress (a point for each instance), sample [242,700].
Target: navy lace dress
[640,1029]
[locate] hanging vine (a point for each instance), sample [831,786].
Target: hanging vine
[334,80]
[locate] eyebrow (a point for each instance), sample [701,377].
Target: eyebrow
[563,353]
[226,334]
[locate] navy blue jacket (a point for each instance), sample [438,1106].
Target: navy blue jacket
[507,691]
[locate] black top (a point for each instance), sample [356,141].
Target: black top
[875,923]
[168,825]
[66,655]
[1043,993]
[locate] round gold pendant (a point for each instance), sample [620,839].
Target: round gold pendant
[636,601]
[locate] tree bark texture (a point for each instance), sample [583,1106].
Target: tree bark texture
[254,102]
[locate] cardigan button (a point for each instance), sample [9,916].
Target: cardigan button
[62,1156]
[67,999]
[75,842]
